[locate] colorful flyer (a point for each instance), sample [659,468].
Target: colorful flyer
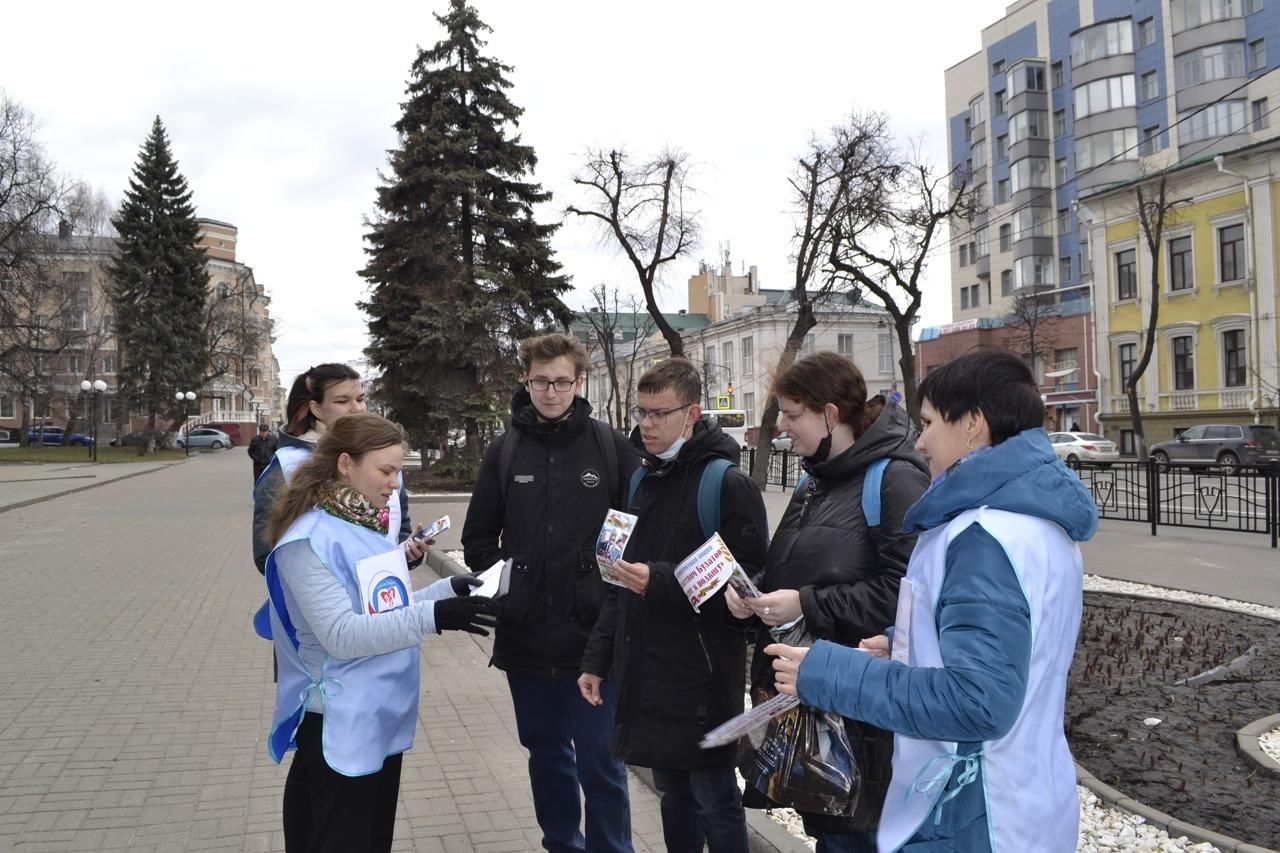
[440,525]
[612,542]
[706,570]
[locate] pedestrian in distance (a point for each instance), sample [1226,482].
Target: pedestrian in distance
[346,632]
[972,679]
[540,498]
[679,672]
[262,448]
[838,553]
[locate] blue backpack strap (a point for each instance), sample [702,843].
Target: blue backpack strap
[636,476]
[804,478]
[709,494]
[871,482]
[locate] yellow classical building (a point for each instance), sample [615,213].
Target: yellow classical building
[1214,359]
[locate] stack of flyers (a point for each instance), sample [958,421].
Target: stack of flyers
[706,570]
[440,525]
[612,542]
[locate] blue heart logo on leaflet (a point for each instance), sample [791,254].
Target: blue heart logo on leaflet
[386,592]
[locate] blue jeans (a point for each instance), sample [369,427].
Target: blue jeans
[698,805]
[570,747]
[852,842]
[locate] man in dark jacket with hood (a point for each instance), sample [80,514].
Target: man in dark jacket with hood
[540,498]
[680,673]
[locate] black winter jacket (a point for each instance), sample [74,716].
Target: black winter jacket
[546,519]
[679,673]
[847,577]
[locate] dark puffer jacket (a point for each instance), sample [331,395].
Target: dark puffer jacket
[848,577]
[679,673]
[546,518]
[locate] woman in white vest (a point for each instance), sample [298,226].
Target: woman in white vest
[972,678]
[317,398]
[346,630]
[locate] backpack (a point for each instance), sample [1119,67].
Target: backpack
[871,482]
[708,493]
[604,438]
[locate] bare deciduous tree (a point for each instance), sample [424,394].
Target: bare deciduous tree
[1031,326]
[609,334]
[644,208]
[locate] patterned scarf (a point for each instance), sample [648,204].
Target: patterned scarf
[342,501]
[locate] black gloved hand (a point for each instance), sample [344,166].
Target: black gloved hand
[470,613]
[463,584]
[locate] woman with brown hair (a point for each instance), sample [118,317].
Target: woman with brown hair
[828,562]
[346,631]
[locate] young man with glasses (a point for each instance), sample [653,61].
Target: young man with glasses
[540,497]
[679,673]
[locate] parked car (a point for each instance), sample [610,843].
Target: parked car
[1076,447]
[1227,446]
[54,436]
[781,442]
[230,428]
[205,437]
[139,438]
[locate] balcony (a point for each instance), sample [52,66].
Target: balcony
[1234,399]
[1187,401]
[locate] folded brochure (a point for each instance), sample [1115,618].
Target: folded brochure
[703,573]
[612,542]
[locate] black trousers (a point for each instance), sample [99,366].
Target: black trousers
[326,812]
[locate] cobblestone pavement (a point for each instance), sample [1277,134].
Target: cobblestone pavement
[135,698]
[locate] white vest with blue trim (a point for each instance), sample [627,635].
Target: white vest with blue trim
[370,703]
[289,458]
[1028,775]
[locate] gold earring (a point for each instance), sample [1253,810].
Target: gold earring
[969,442]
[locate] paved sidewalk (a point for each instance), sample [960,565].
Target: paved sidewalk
[24,484]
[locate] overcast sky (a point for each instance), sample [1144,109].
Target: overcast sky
[280,116]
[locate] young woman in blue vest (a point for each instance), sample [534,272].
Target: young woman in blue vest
[317,398]
[346,637]
[831,564]
[973,678]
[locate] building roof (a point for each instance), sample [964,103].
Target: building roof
[632,323]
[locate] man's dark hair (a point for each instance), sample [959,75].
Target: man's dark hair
[676,373]
[549,348]
[992,381]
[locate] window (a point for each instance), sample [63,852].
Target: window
[1181,276]
[1033,271]
[748,356]
[884,347]
[844,346]
[1128,361]
[727,349]
[1109,39]
[1006,282]
[1216,62]
[1060,123]
[1186,14]
[74,363]
[1029,172]
[1028,124]
[997,66]
[1146,32]
[108,364]
[749,405]
[1233,358]
[1060,171]
[968,129]
[1218,119]
[1261,115]
[1006,237]
[999,98]
[1257,55]
[708,356]
[1109,93]
[1150,85]
[1126,274]
[1030,222]
[1002,147]
[1027,77]
[1002,190]
[1183,364]
[1231,253]
[224,290]
[1098,149]
[1064,220]
[978,160]
[1126,442]
[976,112]
[1150,140]
[6,406]
[964,254]
[1057,74]
[807,348]
[1252,6]
[973,296]
[964,298]
[980,238]
[1064,269]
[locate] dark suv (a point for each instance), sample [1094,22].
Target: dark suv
[1227,446]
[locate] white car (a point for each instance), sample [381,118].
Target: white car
[782,442]
[1075,447]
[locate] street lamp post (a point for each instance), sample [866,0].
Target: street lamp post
[96,387]
[185,398]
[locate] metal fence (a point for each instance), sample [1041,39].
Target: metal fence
[784,466]
[1245,501]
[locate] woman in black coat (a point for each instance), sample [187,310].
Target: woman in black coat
[827,563]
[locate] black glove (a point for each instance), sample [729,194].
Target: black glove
[466,613]
[463,584]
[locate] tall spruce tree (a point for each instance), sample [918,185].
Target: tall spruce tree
[158,284]
[458,268]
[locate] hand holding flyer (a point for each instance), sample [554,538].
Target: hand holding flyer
[440,525]
[612,542]
[706,570]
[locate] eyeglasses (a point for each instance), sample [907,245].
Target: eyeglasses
[560,385]
[657,417]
